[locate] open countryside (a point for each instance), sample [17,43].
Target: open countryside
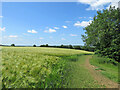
[62,56]
[31,67]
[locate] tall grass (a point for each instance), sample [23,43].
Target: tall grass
[108,67]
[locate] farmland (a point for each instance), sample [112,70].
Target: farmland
[34,66]
[40,67]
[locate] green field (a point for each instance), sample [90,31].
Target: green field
[38,67]
[35,66]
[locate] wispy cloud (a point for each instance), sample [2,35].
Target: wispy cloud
[63,39]
[32,31]
[41,38]
[99,4]
[56,27]
[83,23]
[1,16]
[64,26]
[2,29]
[91,17]
[73,35]
[50,30]
[67,21]
[13,36]
[81,17]
[85,17]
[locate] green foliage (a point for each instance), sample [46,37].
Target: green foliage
[12,44]
[62,46]
[104,33]
[34,45]
[46,45]
[70,46]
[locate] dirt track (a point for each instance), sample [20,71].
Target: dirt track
[97,76]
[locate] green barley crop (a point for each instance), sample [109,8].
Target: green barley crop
[34,67]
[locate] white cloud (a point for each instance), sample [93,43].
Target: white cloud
[1,16]
[50,30]
[63,39]
[41,38]
[99,4]
[113,3]
[13,36]
[67,21]
[85,17]
[56,28]
[64,26]
[2,29]
[73,35]
[32,31]
[83,23]
[91,17]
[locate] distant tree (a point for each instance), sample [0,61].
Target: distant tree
[77,47]
[70,46]
[13,45]
[34,45]
[62,46]
[47,45]
[42,45]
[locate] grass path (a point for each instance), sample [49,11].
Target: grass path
[83,75]
[80,77]
[102,80]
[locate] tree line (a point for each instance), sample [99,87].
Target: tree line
[104,33]
[78,47]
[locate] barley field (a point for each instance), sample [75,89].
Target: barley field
[35,67]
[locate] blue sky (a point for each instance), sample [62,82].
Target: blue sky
[53,23]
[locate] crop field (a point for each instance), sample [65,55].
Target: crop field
[31,67]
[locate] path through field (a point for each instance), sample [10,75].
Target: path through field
[84,75]
[97,76]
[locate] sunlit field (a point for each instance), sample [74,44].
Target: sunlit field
[26,67]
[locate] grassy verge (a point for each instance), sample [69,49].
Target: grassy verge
[77,74]
[108,67]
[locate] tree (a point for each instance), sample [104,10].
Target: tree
[104,33]
[47,45]
[13,45]
[42,45]
[70,46]
[62,46]
[77,47]
[34,45]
